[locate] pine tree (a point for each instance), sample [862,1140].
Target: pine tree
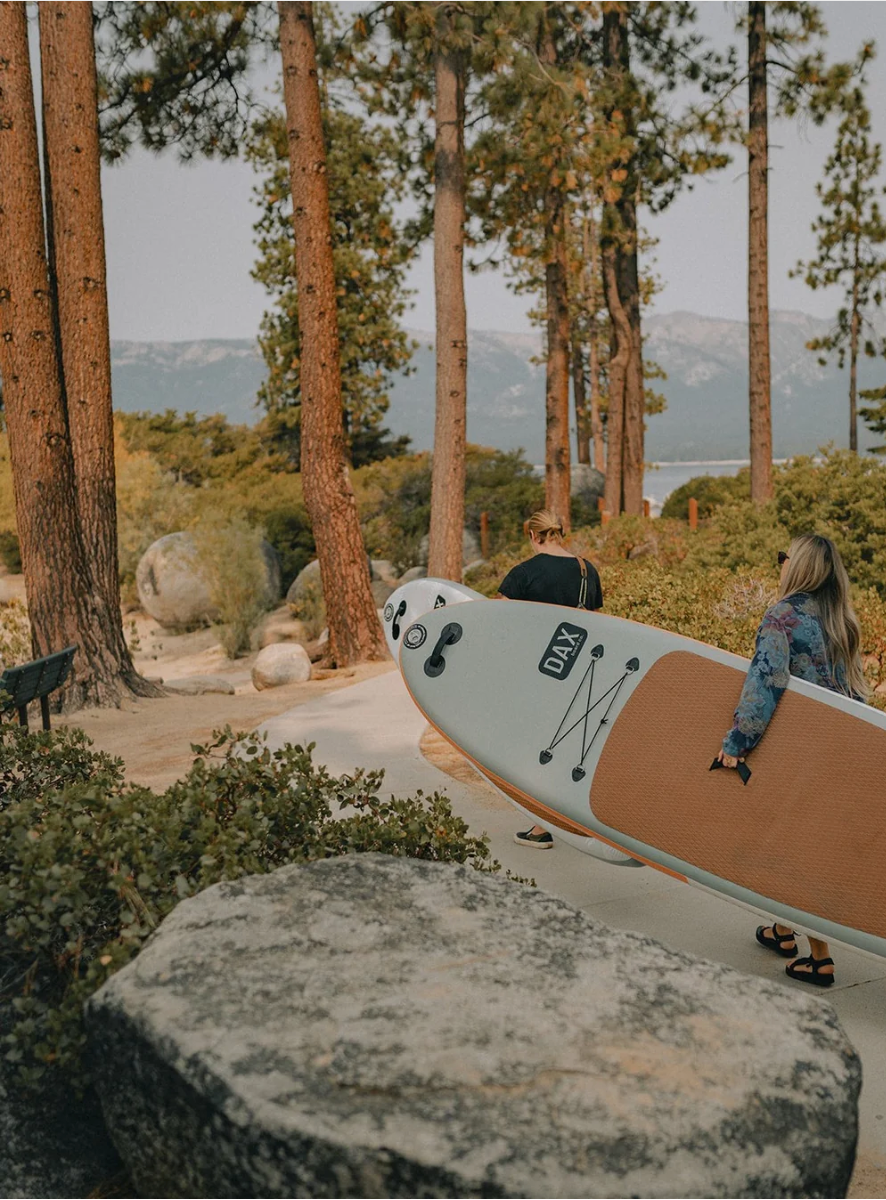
[78,276]
[365,163]
[451,59]
[59,582]
[778,37]
[851,239]
[354,629]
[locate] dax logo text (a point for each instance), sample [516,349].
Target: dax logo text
[563,649]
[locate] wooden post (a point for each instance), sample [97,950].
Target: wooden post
[646,510]
[605,516]
[600,503]
[693,513]
[484,534]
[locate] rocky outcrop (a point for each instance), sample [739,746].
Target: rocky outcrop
[470,548]
[173,590]
[279,664]
[374,1026]
[586,481]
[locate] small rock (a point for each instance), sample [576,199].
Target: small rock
[306,580]
[586,481]
[280,664]
[414,573]
[383,570]
[381,591]
[198,685]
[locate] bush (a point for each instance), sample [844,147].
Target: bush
[711,492]
[91,865]
[231,560]
[289,531]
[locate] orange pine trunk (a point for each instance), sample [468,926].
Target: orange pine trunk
[448,476]
[759,371]
[355,632]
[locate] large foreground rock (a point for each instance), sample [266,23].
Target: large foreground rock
[52,1142]
[372,1026]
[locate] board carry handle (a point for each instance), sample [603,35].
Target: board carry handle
[395,627]
[436,664]
[744,771]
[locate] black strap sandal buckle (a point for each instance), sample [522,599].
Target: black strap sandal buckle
[814,975]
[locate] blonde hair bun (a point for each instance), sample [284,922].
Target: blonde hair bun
[545,526]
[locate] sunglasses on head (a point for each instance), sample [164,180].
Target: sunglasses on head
[782,558]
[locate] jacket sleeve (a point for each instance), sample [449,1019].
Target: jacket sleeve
[767,679]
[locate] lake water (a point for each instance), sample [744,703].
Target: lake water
[661,479]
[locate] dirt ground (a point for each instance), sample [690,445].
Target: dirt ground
[154,737]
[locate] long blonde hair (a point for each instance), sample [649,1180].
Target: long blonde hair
[546,526]
[815,566]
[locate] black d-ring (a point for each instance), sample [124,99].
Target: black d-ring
[436,664]
[395,627]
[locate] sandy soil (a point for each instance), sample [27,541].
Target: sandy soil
[154,737]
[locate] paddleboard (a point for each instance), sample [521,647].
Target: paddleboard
[605,728]
[412,600]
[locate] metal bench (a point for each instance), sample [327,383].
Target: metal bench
[34,681]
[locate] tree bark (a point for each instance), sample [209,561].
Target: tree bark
[77,270]
[619,361]
[853,355]
[448,474]
[557,457]
[59,583]
[592,266]
[579,395]
[759,371]
[618,60]
[355,632]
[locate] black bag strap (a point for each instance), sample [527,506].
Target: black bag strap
[583,586]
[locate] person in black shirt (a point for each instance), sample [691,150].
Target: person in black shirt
[552,576]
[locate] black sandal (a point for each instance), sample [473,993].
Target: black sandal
[775,942]
[815,975]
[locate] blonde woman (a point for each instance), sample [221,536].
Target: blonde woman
[812,633]
[553,575]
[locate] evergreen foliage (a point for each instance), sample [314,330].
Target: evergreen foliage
[91,865]
[176,74]
[851,237]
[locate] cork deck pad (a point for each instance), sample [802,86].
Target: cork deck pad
[805,830]
[601,728]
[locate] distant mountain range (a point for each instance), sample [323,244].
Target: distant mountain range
[705,359]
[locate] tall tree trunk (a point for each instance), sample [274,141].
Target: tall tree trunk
[77,269]
[579,396]
[448,478]
[591,244]
[58,580]
[853,356]
[759,372]
[619,361]
[618,61]
[557,457]
[355,632]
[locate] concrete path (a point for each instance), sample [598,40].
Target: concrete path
[375,724]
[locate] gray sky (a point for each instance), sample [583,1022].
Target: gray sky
[179,238]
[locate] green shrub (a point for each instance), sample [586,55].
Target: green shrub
[289,531]
[230,555]
[711,492]
[310,607]
[91,865]
[10,551]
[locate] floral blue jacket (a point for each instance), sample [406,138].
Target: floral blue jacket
[790,641]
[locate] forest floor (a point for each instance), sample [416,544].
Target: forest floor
[154,737]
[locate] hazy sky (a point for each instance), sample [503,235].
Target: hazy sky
[179,238]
